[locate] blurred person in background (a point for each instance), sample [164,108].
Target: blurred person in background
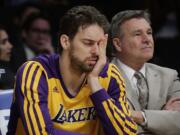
[24,10]
[36,34]
[6,74]
[17,17]
[36,38]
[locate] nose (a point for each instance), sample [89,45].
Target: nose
[9,45]
[146,37]
[95,49]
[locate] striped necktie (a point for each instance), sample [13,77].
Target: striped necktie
[142,88]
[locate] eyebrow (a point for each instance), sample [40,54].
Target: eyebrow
[2,40]
[89,40]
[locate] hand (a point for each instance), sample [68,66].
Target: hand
[102,57]
[173,104]
[92,77]
[48,49]
[137,117]
[44,45]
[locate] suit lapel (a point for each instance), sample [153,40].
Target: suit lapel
[154,86]
[131,95]
[130,92]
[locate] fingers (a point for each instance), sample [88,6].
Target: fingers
[174,105]
[103,41]
[102,45]
[173,99]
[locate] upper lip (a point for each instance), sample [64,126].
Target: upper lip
[93,59]
[146,47]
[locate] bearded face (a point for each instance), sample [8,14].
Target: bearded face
[83,50]
[78,64]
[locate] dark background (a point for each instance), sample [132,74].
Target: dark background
[166,31]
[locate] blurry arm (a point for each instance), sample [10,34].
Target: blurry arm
[111,106]
[166,121]
[173,104]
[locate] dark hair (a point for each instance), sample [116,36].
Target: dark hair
[81,16]
[2,27]
[126,15]
[32,17]
[24,6]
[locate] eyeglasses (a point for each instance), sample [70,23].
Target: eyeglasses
[41,31]
[3,41]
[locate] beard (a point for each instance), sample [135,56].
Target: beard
[79,65]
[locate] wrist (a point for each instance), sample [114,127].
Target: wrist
[94,84]
[144,123]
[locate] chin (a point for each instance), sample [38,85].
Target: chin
[147,58]
[88,68]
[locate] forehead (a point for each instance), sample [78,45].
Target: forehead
[3,34]
[93,32]
[40,23]
[136,23]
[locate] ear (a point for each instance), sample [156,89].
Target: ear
[64,40]
[117,44]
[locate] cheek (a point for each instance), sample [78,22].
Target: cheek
[130,47]
[33,36]
[2,56]
[82,51]
[2,49]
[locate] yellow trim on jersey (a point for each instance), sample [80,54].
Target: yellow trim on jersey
[24,75]
[109,114]
[25,99]
[114,72]
[129,123]
[118,118]
[28,98]
[36,96]
[120,81]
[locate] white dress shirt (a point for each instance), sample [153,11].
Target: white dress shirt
[130,74]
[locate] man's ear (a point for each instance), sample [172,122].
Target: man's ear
[117,44]
[64,41]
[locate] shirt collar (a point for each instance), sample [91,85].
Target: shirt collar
[129,71]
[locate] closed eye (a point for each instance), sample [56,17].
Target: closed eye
[88,42]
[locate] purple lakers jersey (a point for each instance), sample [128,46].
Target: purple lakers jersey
[43,105]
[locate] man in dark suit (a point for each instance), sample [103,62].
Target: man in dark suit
[158,114]
[36,38]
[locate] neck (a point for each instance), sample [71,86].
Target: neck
[73,79]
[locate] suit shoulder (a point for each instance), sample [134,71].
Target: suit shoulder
[161,68]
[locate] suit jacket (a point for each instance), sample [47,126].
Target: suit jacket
[18,57]
[163,83]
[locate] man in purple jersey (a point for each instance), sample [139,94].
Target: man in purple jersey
[74,92]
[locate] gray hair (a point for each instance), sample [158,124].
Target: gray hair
[123,16]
